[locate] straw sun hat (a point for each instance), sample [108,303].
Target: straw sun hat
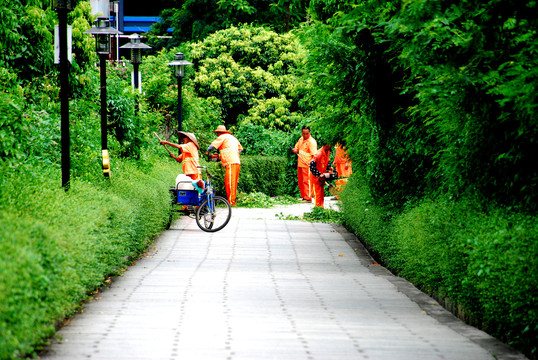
[191,137]
[221,129]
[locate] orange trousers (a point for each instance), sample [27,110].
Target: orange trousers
[303,176]
[231,177]
[319,192]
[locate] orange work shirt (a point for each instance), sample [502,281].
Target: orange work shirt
[190,159]
[229,148]
[322,160]
[307,148]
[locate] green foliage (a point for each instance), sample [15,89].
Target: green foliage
[27,39]
[57,247]
[257,140]
[121,101]
[258,174]
[12,127]
[200,115]
[197,19]
[254,200]
[319,214]
[249,72]
[261,200]
[484,261]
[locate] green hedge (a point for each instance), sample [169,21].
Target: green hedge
[57,247]
[257,174]
[482,260]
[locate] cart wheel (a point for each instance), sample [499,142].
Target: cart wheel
[213,215]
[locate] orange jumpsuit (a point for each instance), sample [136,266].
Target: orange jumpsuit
[341,162]
[321,161]
[306,149]
[229,148]
[190,159]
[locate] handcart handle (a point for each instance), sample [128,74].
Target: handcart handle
[207,171]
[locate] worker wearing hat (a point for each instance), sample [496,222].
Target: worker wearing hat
[229,148]
[189,154]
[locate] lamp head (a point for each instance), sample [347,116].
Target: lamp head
[179,64]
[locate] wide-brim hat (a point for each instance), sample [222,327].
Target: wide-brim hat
[221,129]
[191,137]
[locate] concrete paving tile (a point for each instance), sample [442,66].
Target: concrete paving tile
[262,288]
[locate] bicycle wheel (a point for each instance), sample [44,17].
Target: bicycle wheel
[213,215]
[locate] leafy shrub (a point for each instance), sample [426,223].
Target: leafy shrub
[242,68]
[366,219]
[121,101]
[257,140]
[258,174]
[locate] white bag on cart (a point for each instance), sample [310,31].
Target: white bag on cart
[183,182]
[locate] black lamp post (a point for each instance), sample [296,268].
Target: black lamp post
[63,7]
[102,32]
[136,47]
[179,64]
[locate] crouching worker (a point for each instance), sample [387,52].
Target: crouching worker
[189,154]
[323,171]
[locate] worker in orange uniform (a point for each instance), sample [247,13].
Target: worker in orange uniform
[341,163]
[305,148]
[229,148]
[189,154]
[322,171]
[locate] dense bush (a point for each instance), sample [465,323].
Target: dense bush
[250,73]
[197,19]
[57,246]
[262,174]
[257,140]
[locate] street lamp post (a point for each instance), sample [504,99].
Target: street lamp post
[102,32]
[179,63]
[63,7]
[136,47]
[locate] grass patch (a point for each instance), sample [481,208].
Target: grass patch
[317,214]
[261,200]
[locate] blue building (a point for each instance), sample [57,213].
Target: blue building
[134,16]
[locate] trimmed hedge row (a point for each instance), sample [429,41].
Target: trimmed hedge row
[482,260]
[257,174]
[57,247]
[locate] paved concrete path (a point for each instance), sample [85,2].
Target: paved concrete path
[264,288]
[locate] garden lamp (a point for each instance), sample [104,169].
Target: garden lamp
[102,32]
[179,63]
